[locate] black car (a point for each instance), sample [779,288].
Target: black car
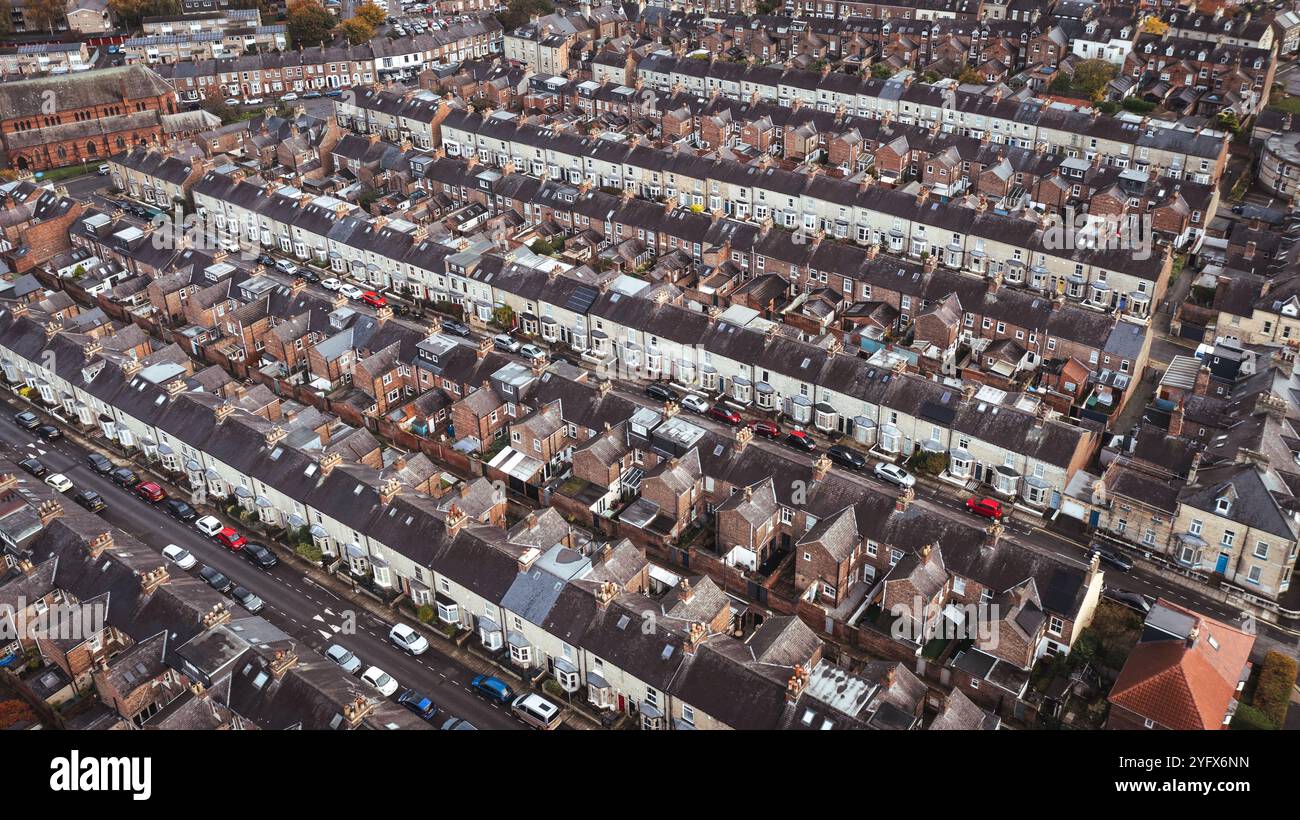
[27,420]
[259,555]
[180,510]
[661,393]
[99,464]
[124,477]
[33,466]
[419,704]
[269,261]
[49,432]
[845,457]
[800,441]
[455,327]
[215,579]
[1116,560]
[308,275]
[91,500]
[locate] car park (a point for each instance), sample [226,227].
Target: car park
[33,466]
[59,482]
[419,704]
[150,491]
[800,440]
[506,342]
[99,464]
[27,420]
[49,432]
[124,477]
[179,556]
[694,403]
[247,600]
[209,525]
[894,474]
[179,510]
[660,392]
[91,500]
[492,688]
[987,507]
[719,413]
[408,640]
[229,537]
[344,658]
[381,680]
[259,556]
[845,457]
[215,579]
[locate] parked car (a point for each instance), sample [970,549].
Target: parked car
[232,101]
[351,291]
[33,466]
[532,352]
[91,500]
[179,510]
[311,95]
[506,342]
[344,658]
[1113,559]
[800,440]
[150,491]
[694,403]
[331,284]
[259,555]
[124,477]
[457,724]
[660,392]
[266,260]
[458,328]
[987,507]
[59,482]
[725,415]
[408,640]
[253,101]
[285,265]
[209,525]
[381,680]
[335,92]
[419,704]
[103,170]
[492,688]
[27,420]
[536,711]
[229,537]
[373,299]
[764,428]
[179,556]
[1141,603]
[215,579]
[49,432]
[308,275]
[846,457]
[894,474]
[99,464]
[290,97]
[247,600]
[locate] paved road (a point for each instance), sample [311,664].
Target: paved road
[311,614]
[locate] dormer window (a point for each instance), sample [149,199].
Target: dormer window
[1223,505]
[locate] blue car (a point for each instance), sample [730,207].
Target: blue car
[492,689]
[418,704]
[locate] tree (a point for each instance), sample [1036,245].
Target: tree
[13,712]
[1273,689]
[1154,25]
[518,12]
[357,30]
[371,13]
[218,108]
[131,12]
[309,23]
[1091,77]
[6,17]
[969,76]
[44,14]
[881,71]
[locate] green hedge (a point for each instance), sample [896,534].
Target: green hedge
[1250,719]
[1273,690]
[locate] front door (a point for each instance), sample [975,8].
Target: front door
[1221,566]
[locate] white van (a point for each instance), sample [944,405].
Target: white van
[536,711]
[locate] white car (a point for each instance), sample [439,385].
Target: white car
[408,640]
[532,352]
[894,474]
[331,283]
[253,101]
[59,482]
[285,265]
[381,680]
[209,525]
[694,403]
[179,556]
[344,658]
[232,101]
[289,97]
[351,291]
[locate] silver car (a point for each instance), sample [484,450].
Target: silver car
[344,658]
[894,474]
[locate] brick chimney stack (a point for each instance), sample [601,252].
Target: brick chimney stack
[905,499]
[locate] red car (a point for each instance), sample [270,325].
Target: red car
[767,429]
[150,491]
[987,507]
[723,414]
[230,538]
[373,299]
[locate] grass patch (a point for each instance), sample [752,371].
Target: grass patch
[1285,102]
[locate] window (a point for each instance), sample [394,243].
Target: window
[1195,527]
[1261,550]
[1055,625]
